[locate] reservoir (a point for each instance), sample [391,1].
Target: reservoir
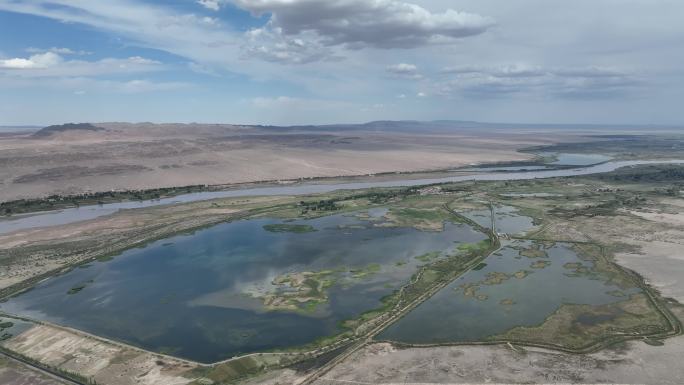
[240,287]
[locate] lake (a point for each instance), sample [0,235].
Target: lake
[204,296]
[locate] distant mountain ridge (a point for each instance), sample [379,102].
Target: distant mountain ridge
[447,126]
[388,126]
[50,130]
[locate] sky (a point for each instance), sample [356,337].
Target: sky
[290,62]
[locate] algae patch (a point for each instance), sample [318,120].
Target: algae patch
[79,287]
[288,228]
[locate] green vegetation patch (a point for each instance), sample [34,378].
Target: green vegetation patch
[427,219]
[534,251]
[427,257]
[521,274]
[57,202]
[616,293]
[495,278]
[471,289]
[79,287]
[603,268]
[578,269]
[480,266]
[540,264]
[304,292]
[474,248]
[366,271]
[576,326]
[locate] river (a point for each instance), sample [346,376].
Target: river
[71,215]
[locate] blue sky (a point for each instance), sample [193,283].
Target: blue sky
[332,61]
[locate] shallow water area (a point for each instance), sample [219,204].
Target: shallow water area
[515,288]
[564,159]
[507,220]
[10,327]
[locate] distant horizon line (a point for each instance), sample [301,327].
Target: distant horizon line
[372,122]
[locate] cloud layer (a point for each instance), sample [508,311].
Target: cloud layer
[527,60]
[503,80]
[50,64]
[367,23]
[404,70]
[38,61]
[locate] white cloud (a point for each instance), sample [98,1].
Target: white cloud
[37,61]
[271,45]
[279,101]
[502,80]
[502,71]
[57,50]
[304,31]
[50,64]
[404,70]
[298,31]
[214,5]
[590,72]
[138,86]
[367,23]
[201,39]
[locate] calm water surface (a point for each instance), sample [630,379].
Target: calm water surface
[577,159]
[507,220]
[451,316]
[186,295]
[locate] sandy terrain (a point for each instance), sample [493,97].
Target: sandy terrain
[14,373]
[635,363]
[660,255]
[106,363]
[134,156]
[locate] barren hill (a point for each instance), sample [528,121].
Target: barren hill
[51,130]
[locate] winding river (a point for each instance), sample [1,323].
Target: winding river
[71,215]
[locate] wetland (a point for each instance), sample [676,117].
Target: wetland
[249,285]
[517,287]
